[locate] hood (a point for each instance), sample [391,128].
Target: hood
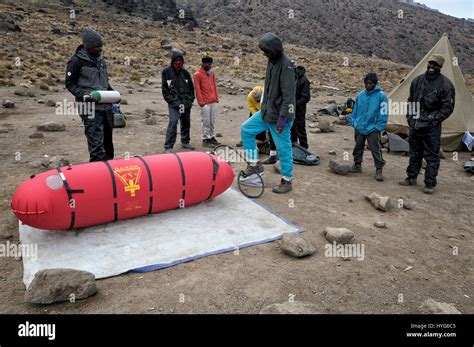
[82,53]
[300,71]
[176,53]
[271,43]
[377,88]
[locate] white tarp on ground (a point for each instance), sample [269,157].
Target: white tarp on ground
[229,222]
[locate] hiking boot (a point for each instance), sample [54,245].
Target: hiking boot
[283,187]
[214,141]
[270,160]
[355,169]
[428,189]
[168,150]
[253,169]
[408,182]
[378,175]
[208,144]
[188,146]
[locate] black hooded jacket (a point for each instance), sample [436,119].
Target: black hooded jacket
[85,74]
[177,86]
[303,92]
[280,85]
[436,96]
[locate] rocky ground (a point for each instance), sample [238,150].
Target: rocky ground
[425,252]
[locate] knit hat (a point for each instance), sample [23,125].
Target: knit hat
[372,77]
[438,59]
[91,38]
[207,58]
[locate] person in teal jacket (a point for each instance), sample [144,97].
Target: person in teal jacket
[369,118]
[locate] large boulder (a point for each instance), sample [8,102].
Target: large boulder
[52,126]
[296,246]
[56,285]
[339,166]
[338,235]
[431,306]
[380,202]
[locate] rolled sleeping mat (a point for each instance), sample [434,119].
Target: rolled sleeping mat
[106,96]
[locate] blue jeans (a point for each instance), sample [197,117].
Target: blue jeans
[255,125]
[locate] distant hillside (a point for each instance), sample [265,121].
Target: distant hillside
[369,27]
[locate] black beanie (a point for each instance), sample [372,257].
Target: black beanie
[371,77]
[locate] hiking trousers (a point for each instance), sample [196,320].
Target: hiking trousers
[375,146]
[255,125]
[425,143]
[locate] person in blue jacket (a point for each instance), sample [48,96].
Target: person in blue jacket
[369,118]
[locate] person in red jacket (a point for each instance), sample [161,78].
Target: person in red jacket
[207,97]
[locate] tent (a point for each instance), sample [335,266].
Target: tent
[460,121]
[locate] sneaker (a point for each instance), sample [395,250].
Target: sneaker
[214,141]
[428,189]
[378,175]
[283,187]
[188,146]
[168,150]
[254,169]
[208,144]
[270,160]
[355,169]
[408,182]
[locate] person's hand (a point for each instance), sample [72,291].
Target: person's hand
[281,123]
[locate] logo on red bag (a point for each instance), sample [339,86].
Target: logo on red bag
[130,177]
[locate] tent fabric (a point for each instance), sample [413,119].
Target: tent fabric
[462,118]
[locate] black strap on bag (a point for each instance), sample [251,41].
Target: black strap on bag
[215,169]
[69,192]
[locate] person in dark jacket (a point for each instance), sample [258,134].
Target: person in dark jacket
[303,95]
[434,94]
[178,91]
[86,71]
[276,114]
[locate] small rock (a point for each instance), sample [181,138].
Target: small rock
[51,103]
[338,166]
[315,131]
[380,224]
[218,135]
[36,136]
[20,92]
[56,285]
[150,120]
[434,307]
[8,104]
[339,235]
[295,307]
[124,102]
[332,152]
[52,126]
[381,203]
[3,131]
[296,246]
[149,111]
[325,127]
